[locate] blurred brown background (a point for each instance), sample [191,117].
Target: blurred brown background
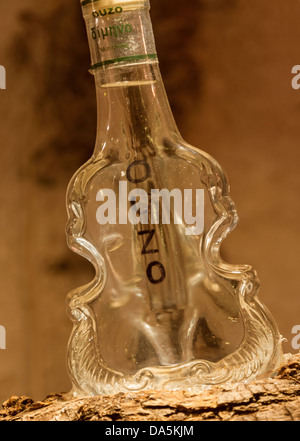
[227,69]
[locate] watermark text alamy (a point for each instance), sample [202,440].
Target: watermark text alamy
[2,337]
[2,77]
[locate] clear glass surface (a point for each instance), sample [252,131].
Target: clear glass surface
[164,311]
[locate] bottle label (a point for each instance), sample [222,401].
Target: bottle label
[118,34]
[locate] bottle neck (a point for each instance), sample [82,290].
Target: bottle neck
[131,99]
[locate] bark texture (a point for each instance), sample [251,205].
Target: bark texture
[276,399]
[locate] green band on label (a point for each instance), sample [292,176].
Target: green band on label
[129,58]
[86,2]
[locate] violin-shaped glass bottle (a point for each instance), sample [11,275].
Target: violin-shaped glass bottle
[150,212]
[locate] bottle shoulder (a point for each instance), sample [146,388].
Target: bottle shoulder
[170,156]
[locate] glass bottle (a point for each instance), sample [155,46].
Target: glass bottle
[150,212]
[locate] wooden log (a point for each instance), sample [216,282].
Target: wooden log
[272,399]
